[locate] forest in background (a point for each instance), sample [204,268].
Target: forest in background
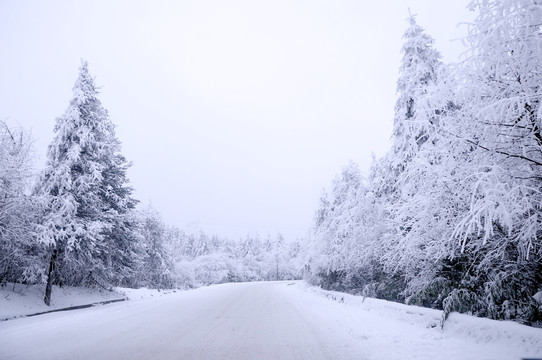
[77,223]
[450,218]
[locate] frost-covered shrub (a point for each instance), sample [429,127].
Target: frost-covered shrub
[20,258]
[461,300]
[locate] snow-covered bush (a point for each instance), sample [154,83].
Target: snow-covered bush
[20,260]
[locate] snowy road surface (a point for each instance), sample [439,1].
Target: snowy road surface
[246,321]
[274,320]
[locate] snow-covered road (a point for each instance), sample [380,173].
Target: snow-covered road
[244,321]
[274,320]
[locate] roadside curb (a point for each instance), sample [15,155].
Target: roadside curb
[77,307]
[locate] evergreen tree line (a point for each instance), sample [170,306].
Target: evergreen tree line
[77,223]
[451,217]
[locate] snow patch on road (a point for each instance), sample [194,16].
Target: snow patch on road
[143,293]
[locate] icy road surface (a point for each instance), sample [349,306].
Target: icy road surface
[274,320]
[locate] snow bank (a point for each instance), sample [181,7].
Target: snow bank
[486,331]
[18,300]
[390,328]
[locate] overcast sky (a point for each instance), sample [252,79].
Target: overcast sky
[235,114]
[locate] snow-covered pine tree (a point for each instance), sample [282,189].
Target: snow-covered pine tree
[334,229]
[157,265]
[415,119]
[86,225]
[414,112]
[408,170]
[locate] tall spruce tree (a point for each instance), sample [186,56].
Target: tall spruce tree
[414,112]
[411,161]
[414,123]
[86,224]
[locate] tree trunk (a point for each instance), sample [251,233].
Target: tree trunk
[49,286]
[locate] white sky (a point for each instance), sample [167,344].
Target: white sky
[235,113]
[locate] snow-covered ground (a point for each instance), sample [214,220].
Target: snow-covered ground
[18,300]
[273,320]
[397,331]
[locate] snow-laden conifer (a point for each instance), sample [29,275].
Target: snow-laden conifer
[84,188]
[410,182]
[157,264]
[414,110]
